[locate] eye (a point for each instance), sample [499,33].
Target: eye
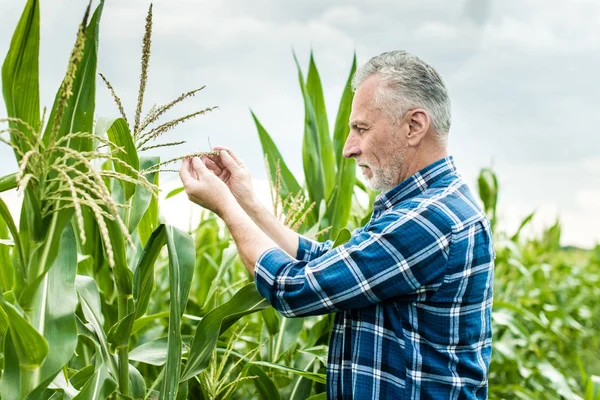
[356,128]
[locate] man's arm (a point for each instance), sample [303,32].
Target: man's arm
[403,252]
[204,188]
[285,238]
[234,173]
[296,245]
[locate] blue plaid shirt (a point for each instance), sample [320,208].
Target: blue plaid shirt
[412,292]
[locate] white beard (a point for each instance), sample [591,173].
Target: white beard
[385,178]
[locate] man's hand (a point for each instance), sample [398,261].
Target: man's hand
[204,188]
[217,183]
[234,173]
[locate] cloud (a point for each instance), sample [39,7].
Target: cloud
[522,77]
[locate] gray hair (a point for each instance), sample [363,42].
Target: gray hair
[408,82]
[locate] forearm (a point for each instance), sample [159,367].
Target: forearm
[285,237]
[251,242]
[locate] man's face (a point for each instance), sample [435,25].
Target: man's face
[375,141]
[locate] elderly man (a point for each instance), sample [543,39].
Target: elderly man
[412,289]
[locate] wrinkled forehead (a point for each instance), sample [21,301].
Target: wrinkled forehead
[364,103]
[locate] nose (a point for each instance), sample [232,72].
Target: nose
[351,147]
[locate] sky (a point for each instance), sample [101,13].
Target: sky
[522,78]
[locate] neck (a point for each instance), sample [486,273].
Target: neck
[419,159]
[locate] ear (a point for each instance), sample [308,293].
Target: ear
[418,125]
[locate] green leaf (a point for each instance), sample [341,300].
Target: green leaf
[592,389]
[20,74]
[312,153]
[289,330]
[68,390]
[182,257]
[321,331]
[340,201]
[82,376]
[247,300]
[143,278]
[320,396]
[89,298]
[342,128]
[149,220]
[137,385]
[10,382]
[557,380]
[100,386]
[228,257]
[302,387]
[320,352]
[8,182]
[30,346]
[342,237]
[265,386]
[6,265]
[119,134]
[174,192]
[289,184]
[271,320]
[524,223]
[55,302]
[313,376]
[19,270]
[93,244]
[487,183]
[122,274]
[155,351]
[142,322]
[315,93]
[79,112]
[118,335]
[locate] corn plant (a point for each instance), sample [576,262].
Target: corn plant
[77,272]
[546,342]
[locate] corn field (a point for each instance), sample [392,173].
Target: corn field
[100,299]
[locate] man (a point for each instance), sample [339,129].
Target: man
[412,290]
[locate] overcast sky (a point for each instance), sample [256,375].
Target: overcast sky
[522,76]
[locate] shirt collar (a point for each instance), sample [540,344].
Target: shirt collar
[415,184]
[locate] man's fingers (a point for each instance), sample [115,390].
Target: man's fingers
[210,164]
[184,172]
[199,167]
[231,153]
[225,175]
[192,170]
[229,162]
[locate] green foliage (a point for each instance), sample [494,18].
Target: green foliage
[77,273]
[546,342]
[99,299]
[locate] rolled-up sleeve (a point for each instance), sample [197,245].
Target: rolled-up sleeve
[309,249]
[402,252]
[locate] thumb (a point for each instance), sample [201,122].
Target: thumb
[229,162]
[199,167]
